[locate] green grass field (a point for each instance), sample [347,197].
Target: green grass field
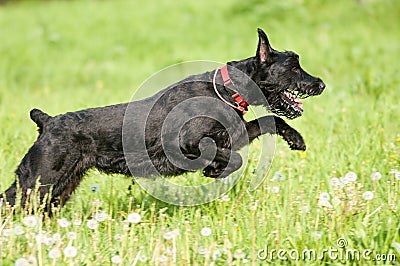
[64,56]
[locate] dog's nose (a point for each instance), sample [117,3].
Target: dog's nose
[321,85]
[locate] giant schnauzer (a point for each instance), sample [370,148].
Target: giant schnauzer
[70,144]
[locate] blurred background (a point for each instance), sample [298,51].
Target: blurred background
[63,56]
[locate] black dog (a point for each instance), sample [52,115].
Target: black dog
[207,127]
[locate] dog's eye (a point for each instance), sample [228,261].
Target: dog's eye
[296,70]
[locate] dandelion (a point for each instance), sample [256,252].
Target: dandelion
[225,198]
[279,176]
[64,223]
[118,237]
[96,203]
[239,254]
[324,196]
[376,176]
[216,254]
[19,230]
[54,253]
[368,195]
[116,259]
[22,262]
[6,232]
[335,182]
[101,216]
[56,237]
[134,218]
[40,238]
[351,176]
[205,231]
[324,200]
[70,252]
[317,234]
[395,173]
[49,241]
[30,221]
[275,189]
[143,258]
[169,235]
[71,235]
[92,224]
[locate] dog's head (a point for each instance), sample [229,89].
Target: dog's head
[282,80]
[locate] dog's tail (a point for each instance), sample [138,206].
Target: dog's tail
[40,118]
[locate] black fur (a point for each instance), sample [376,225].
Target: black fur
[70,144]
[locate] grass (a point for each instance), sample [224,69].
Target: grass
[62,56]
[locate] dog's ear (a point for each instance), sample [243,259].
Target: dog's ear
[264,49]
[40,118]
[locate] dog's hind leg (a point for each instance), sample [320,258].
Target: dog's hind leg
[225,162]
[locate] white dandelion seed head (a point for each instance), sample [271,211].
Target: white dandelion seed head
[225,198]
[351,177]
[397,175]
[143,258]
[335,182]
[168,235]
[57,237]
[118,237]
[368,195]
[49,241]
[134,218]
[375,176]
[40,238]
[206,231]
[317,234]
[96,203]
[324,196]
[70,251]
[116,259]
[275,189]
[19,230]
[325,203]
[64,223]
[239,254]
[6,232]
[279,176]
[22,262]
[101,216]
[92,224]
[54,253]
[216,254]
[30,221]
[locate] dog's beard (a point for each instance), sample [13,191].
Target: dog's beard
[284,103]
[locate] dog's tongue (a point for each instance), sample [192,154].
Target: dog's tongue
[297,101]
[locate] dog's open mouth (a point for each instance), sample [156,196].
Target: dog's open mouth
[293,99]
[291,103]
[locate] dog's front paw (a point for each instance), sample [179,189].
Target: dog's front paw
[295,140]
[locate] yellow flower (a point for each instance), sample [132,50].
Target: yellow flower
[398,139]
[393,156]
[303,155]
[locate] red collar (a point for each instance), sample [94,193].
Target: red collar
[241,104]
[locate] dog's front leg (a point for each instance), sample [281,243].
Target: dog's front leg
[275,125]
